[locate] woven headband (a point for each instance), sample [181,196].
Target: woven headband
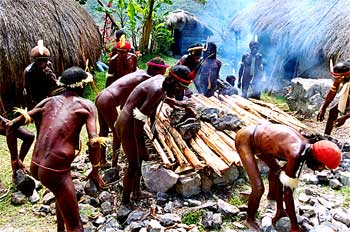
[150,63]
[340,74]
[179,78]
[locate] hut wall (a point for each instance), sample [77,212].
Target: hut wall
[68,32]
[190,34]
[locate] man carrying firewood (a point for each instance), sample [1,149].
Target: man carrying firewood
[115,95]
[272,143]
[141,104]
[122,63]
[61,119]
[341,74]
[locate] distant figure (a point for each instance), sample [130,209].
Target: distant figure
[209,71]
[115,95]
[101,67]
[122,63]
[141,104]
[272,143]
[227,87]
[341,74]
[193,61]
[61,119]
[118,36]
[39,78]
[251,72]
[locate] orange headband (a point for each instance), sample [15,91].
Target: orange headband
[179,78]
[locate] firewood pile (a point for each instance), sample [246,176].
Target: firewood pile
[211,147]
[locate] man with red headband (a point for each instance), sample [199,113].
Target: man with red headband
[193,61]
[272,143]
[341,74]
[39,79]
[61,119]
[122,63]
[142,103]
[115,95]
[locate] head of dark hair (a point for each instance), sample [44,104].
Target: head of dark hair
[118,34]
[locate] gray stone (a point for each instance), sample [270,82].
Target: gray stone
[34,198]
[304,198]
[283,224]
[162,198]
[266,224]
[207,183]
[154,226]
[79,188]
[228,177]
[48,198]
[24,183]
[99,220]
[90,188]
[157,178]
[18,198]
[106,207]
[309,178]
[335,184]
[106,196]
[168,219]
[123,213]
[344,178]
[342,216]
[189,185]
[136,215]
[45,209]
[193,203]
[323,214]
[111,175]
[226,208]
[322,228]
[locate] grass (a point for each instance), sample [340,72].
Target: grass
[276,100]
[345,191]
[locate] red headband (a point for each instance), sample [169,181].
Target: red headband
[179,78]
[150,63]
[340,74]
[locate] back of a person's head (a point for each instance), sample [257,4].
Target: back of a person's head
[180,73]
[156,66]
[195,49]
[118,34]
[209,50]
[74,77]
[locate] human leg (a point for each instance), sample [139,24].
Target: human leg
[249,163]
[27,137]
[333,115]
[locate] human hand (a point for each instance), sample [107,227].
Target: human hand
[320,115]
[340,121]
[17,165]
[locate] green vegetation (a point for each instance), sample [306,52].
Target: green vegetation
[279,101]
[237,201]
[345,191]
[192,217]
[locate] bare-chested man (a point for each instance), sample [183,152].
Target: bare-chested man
[272,143]
[341,74]
[141,103]
[122,63]
[115,95]
[61,119]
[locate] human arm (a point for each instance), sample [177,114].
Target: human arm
[240,73]
[94,145]
[341,120]
[329,98]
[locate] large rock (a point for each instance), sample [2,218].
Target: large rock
[158,179]
[306,96]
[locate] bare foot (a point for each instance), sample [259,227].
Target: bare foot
[252,224]
[141,195]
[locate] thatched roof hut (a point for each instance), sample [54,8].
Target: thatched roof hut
[66,28]
[308,33]
[187,30]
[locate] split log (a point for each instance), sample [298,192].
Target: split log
[163,141]
[226,139]
[211,159]
[190,156]
[218,146]
[157,146]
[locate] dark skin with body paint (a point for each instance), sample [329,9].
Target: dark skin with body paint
[113,96]
[146,97]
[61,119]
[270,143]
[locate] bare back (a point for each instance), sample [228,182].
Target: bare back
[61,119]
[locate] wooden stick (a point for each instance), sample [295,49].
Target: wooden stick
[157,146]
[163,142]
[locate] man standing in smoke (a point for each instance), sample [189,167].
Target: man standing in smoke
[251,72]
